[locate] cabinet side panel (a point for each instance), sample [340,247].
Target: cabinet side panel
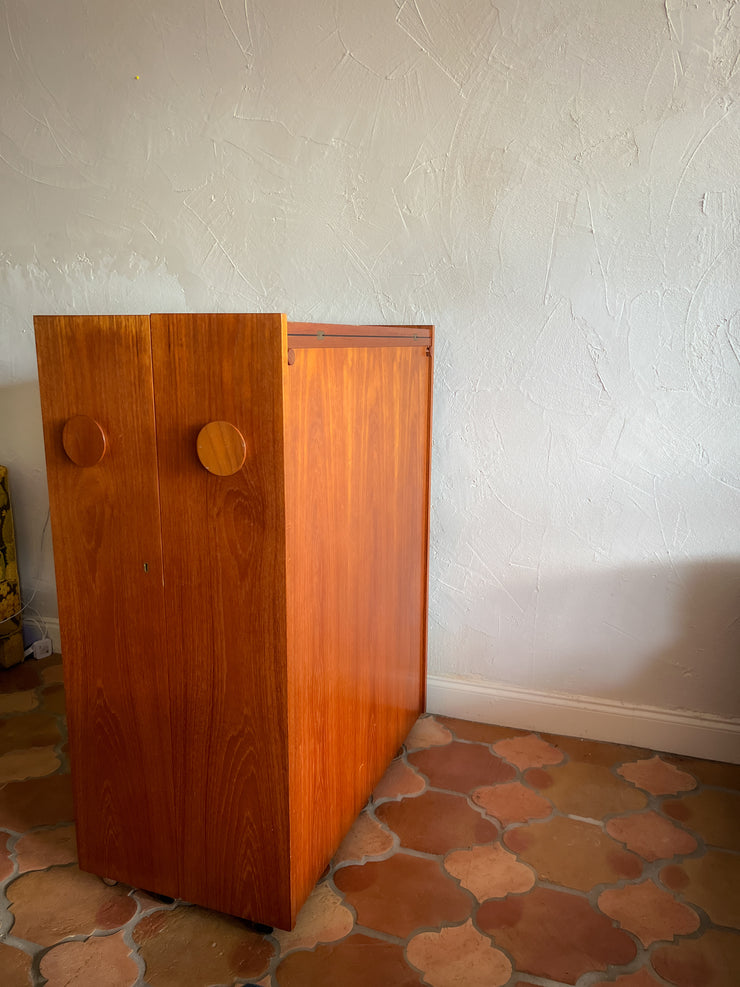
[107,551]
[224,564]
[356,455]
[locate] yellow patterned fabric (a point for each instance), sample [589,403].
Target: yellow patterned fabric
[11,627]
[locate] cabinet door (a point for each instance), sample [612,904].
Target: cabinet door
[97,402]
[223,534]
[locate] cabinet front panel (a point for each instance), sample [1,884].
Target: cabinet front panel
[357,457]
[219,420]
[96,396]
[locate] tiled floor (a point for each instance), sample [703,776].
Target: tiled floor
[487,857]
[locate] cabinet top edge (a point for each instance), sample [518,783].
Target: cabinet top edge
[317,330]
[294,328]
[345,329]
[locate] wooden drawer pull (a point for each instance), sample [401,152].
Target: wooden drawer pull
[221,448]
[84,440]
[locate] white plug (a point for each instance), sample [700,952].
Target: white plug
[42,648]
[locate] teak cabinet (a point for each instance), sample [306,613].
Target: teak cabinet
[240,514]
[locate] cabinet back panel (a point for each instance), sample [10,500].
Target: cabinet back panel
[357,424]
[108,557]
[224,566]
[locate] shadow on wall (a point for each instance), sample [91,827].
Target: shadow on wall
[703,651]
[663,635]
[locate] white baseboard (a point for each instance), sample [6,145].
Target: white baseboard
[674,731]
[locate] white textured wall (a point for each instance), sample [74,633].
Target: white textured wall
[555,184]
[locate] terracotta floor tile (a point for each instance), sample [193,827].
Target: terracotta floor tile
[52,700]
[427,732]
[459,955]
[572,853]
[103,961]
[21,677]
[657,776]
[15,966]
[712,882]
[594,751]
[33,763]
[45,848]
[219,948]
[53,673]
[6,863]
[555,934]
[711,813]
[399,780]
[651,835]
[711,961]
[707,772]
[366,839]
[53,659]
[36,802]
[512,802]
[148,901]
[648,912]
[528,751]
[436,822]
[324,918]
[359,961]
[402,894]
[35,729]
[18,702]
[49,905]
[489,871]
[588,790]
[642,978]
[461,767]
[479,733]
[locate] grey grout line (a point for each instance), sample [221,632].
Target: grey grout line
[650,869]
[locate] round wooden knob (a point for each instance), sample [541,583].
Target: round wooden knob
[221,448]
[84,440]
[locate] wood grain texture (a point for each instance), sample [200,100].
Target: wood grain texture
[365,333]
[357,423]
[427,518]
[84,440]
[221,448]
[105,524]
[244,662]
[224,567]
[306,341]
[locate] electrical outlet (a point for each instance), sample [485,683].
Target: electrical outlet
[42,648]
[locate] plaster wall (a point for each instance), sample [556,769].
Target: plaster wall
[555,184]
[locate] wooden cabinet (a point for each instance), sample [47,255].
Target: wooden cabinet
[240,519]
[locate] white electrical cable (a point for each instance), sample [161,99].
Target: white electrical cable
[38,620]
[36,578]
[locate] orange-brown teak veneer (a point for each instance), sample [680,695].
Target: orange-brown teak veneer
[240,516]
